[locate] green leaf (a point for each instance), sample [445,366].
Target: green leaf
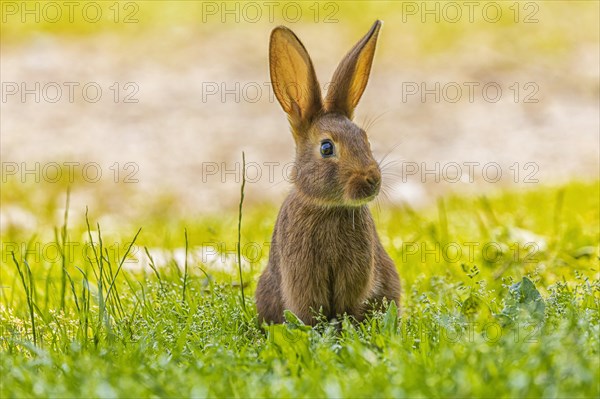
[523,296]
[294,321]
[470,306]
[390,319]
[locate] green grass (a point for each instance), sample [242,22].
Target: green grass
[526,30]
[521,322]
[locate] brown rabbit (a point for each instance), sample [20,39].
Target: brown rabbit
[325,254]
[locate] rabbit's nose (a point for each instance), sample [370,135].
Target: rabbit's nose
[373,181]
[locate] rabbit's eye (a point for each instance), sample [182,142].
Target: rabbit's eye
[327,149]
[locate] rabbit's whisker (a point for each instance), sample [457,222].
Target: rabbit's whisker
[370,122]
[394,147]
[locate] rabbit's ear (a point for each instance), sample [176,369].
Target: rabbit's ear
[293,78]
[351,76]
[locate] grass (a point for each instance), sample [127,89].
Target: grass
[527,30]
[520,321]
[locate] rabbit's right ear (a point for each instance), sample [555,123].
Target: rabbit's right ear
[293,78]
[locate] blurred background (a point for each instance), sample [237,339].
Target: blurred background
[144,108]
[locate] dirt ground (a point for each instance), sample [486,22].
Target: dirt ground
[188,105]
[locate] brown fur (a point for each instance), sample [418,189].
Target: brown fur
[325,254]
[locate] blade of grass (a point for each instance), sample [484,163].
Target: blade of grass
[112,284]
[113,301]
[47,288]
[74,293]
[153,267]
[61,249]
[102,318]
[28,252]
[239,253]
[27,296]
[85,303]
[185,273]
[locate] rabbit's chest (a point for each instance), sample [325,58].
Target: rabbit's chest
[345,259]
[327,260]
[336,251]
[348,254]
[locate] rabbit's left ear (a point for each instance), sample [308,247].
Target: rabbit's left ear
[351,76]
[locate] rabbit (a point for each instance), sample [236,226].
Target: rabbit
[325,254]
